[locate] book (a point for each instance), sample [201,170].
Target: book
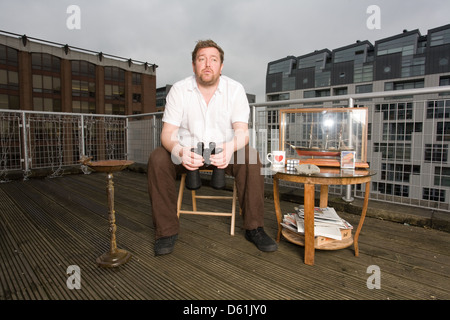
[348,159]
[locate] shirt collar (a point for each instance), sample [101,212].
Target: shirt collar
[220,87]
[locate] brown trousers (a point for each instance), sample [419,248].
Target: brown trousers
[162,174]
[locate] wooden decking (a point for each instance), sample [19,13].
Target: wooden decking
[47,225]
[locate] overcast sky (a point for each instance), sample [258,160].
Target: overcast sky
[251,32]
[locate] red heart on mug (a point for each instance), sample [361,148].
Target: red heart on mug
[279,158]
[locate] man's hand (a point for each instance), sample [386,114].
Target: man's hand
[222,159]
[191,160]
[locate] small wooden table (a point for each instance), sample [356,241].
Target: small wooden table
[326,177]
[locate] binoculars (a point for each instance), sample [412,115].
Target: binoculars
[193,181]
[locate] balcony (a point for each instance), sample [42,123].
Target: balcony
[50,224]
[54,215]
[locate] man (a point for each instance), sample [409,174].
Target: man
[206,107]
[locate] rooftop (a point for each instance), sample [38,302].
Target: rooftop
[49,224]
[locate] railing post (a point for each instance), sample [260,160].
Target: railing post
[154,132]
[25,144]
[82,144]
[253,129]
[348,192]
[127,138]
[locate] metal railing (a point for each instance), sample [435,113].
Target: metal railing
[55,141]
[408,141]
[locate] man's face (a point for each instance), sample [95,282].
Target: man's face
[207,66]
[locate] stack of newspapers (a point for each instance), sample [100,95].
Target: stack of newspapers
[327,223]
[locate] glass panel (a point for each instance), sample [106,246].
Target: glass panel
[326,132]
[38,104]
[36,60]
[3,77]
[13,77]
[47,83]
[14,102]
[37,83]
[46,62]
[3,101]
[56,85]
[48,104]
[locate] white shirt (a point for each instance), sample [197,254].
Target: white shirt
[186,108]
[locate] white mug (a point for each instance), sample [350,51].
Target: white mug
[277,158]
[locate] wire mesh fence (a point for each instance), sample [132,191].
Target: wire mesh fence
[56,141]
[407,144]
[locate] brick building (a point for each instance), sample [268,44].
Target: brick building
[40,75]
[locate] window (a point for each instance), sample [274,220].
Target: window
[436,152]
[340,91]
[392,189]
[395,111]
[279,97]
[46,81]
[323,78]
[136,78]
[438,109]
[433,194]
[309,94]
[398,172]
[404,45]
[111,108]
[46,84]
[114,74]
[83,86]
[363,73]
[443,131]
[440,37]
[393,151]
[400,131]
[9,80]
[82,68]
[442,176]
[45,62]
[46,104]
[444,81]
[404,85]
[8,56]
[114,90]
[83,89]
[284,67]
[79,106]
[9,101]
[412,67]
[136,97]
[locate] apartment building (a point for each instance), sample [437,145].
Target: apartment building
[408,138]
[40,75]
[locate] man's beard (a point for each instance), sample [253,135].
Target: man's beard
[207,80]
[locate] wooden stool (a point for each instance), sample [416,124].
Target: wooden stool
[194,210]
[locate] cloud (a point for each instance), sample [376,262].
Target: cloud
[252,32]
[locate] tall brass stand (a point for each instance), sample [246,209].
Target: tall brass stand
[114,257]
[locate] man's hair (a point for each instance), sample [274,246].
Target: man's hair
[201,44]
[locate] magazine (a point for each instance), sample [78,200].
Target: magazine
[327,222]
